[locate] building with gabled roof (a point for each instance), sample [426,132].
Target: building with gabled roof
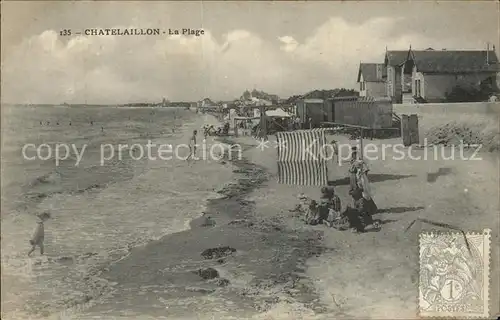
[392,63]
[430,75]
[371,80]
[456,61]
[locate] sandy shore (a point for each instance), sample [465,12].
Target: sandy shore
[375,275]
[267,265]
[279,268]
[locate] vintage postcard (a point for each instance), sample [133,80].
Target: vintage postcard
[252,160]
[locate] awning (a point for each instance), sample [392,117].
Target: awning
[279,113]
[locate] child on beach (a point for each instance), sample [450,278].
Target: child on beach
[192,146]
[312,214]
[39,234]
[331,206]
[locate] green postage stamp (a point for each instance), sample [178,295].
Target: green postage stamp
[454,274]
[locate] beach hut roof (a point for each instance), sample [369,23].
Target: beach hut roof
[278,113]
[313,100]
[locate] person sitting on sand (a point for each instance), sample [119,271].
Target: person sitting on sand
[328,195]
[360,217]
[312,214]
[323,211]
[39,234]
[211,130]
[330,205]
[340,220]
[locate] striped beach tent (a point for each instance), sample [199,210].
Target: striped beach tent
[301,157]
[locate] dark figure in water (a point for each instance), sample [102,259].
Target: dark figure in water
[70,123]
[41,123]
[38,236]
[57,123]
[102,129]
[91,123]
[48,122]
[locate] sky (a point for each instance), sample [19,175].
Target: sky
[283,48]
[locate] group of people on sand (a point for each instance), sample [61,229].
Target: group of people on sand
[328,210]
[210,130]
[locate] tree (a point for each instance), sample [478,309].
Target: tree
[246,95]
[325,94]
[461,93]
[346,93]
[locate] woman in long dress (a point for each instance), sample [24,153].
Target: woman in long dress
[364,184]
[358,177]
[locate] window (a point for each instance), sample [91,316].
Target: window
[418,92]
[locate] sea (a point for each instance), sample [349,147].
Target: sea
[100,209]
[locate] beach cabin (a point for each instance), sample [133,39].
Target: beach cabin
[280,120]
[277,119]
[316,109]
[369,112]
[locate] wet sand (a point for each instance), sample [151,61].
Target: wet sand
[267,266]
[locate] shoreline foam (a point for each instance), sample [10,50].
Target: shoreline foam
[115,253]
[268,259]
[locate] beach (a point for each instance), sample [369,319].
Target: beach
[375,274]
[133,248]
[98,212]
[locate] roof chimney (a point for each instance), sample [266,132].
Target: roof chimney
[487,53]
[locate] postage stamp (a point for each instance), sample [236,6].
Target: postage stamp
[454,274]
